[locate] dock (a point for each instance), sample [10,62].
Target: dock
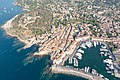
[75,72]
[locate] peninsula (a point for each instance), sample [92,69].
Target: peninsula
[59,27]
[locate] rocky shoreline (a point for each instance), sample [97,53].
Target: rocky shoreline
[6,27]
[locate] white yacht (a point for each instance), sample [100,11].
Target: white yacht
[75,62]
[109,72]
[89,44]
[4,7]
[79,55]
[106,78]
[70,60]
[95,43]
[81,51]
[83,46]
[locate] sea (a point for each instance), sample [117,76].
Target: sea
[17,63]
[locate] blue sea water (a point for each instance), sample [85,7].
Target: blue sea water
[8,10]
[16,64]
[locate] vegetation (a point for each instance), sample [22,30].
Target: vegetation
[36,21]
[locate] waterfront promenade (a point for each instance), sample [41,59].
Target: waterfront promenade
[75,72]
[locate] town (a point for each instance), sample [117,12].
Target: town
[61,27]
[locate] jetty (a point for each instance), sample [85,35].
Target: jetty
[71,71]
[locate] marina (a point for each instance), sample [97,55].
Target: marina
[88,59]
[75,62]
[100,62]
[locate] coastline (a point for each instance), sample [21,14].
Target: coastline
[7,27]
[24,9]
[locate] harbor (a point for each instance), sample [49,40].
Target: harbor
[94,58]
[72,71]
[63,38]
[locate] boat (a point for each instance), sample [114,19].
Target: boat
[101,55]
[104,46]
[79,55]
[101,75]
[106,79]
[101,52]
[70,60]
[83,46]
[111,67]
[81,51]
[101,49]
[110,57]
[94,71]
[108,65]
[109,61]
[89,44]
[109,72]
[85,69]
[106,68]
[4,7]
[88,69]
[95,43]
[105,54]
[112,74]
[75,62]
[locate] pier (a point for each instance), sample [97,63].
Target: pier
[75,72]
